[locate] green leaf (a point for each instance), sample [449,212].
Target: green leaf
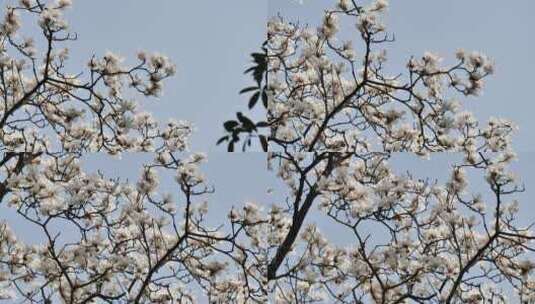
[221,140]
[230,125]
[258,75]
[264,99]
[263,142]
[259,58]
[249,89]
[247,123]
[262,124]
[253,100]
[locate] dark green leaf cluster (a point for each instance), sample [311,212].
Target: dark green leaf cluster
[243,125]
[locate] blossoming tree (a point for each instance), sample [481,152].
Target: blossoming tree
[335,118]
[118,241]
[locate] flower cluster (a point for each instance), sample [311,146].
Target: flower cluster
[322,92]
[336,118]
[90,113]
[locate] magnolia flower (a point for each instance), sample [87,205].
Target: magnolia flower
[149,180]
[330,25]
[64,3]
